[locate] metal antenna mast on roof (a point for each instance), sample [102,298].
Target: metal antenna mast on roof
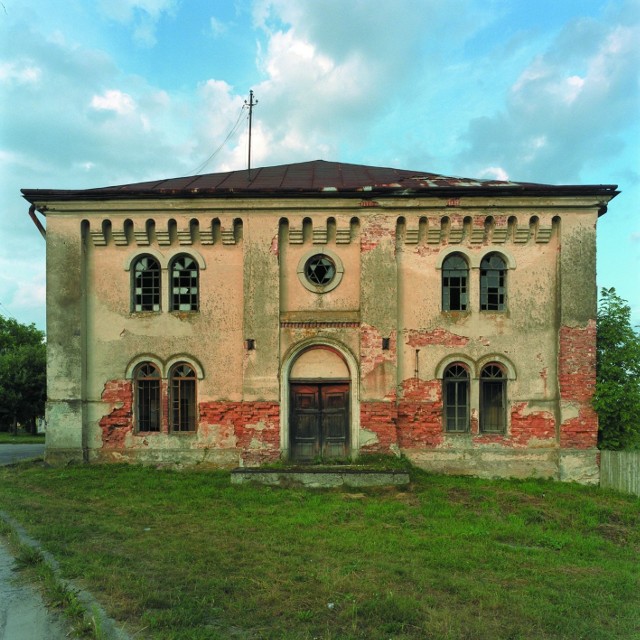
[250,104]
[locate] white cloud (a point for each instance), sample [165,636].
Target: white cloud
[494,173]
[114,100]
[571,104]
[21,72]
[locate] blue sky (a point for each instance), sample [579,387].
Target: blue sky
[101,92]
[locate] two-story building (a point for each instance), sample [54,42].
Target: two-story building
[321,310]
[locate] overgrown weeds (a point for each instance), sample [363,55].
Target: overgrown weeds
[56,593]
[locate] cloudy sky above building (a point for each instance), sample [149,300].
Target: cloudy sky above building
[102,92]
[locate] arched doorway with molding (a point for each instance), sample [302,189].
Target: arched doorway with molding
[320,413]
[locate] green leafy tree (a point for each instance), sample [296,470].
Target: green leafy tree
[23,364]
[617,397]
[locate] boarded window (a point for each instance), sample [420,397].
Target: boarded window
[493,283]
[456,399]
[184,284]
[147,397]
[455,276]
[146,284]
[493,391]
[182,398]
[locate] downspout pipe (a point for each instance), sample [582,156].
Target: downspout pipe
[32,215]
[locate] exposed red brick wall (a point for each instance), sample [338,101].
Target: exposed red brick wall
[375,229]
[119,422]
[380,418]
[420,414]
[436,336]
[525,426]
[577,380]
[254,426]
[373,358]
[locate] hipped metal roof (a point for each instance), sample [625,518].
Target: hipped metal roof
[314,178]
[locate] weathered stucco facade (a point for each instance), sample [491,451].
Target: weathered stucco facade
[324,310]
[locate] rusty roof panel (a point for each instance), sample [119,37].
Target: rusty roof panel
[318,176]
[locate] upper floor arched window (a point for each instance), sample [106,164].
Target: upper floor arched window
[146,284]
[184,284]
[455,276]
[493,283]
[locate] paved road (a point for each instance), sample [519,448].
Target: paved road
[23,615]
[10,453]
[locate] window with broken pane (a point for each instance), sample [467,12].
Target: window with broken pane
[320,270]
[146,284]
[456,399]
[147,397]
[493,283]
[182,398]
[455,276]
[493,391]
[184,284]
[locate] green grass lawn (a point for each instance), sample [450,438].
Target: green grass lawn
[184,555]
[21,438]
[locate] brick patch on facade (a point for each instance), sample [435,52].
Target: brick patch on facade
[255,427]
[119,422]
[435,337]
[376,229]
[528,425]
[577,381]
[372,355]
[379,418]
[420,413]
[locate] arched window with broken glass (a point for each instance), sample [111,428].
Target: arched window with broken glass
[184,284]
[493,283]
[455,277]
[146,284]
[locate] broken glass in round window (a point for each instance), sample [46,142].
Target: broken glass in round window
[320,270]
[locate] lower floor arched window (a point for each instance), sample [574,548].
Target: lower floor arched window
[493,393]
[147,397]
[182,398]
[456,399]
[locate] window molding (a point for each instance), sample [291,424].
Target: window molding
[317,288]
[475,404]
[475,258]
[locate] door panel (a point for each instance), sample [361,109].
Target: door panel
[319,421]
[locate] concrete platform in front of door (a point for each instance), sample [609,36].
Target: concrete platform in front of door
[321,478]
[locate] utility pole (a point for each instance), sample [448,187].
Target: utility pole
[250,104]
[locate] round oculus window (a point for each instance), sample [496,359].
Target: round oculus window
[320,270]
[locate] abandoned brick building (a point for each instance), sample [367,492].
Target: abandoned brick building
[320,310]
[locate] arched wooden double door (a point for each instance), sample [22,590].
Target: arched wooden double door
[319,420]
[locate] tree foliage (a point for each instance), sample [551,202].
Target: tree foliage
[23,386]
[617,397]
